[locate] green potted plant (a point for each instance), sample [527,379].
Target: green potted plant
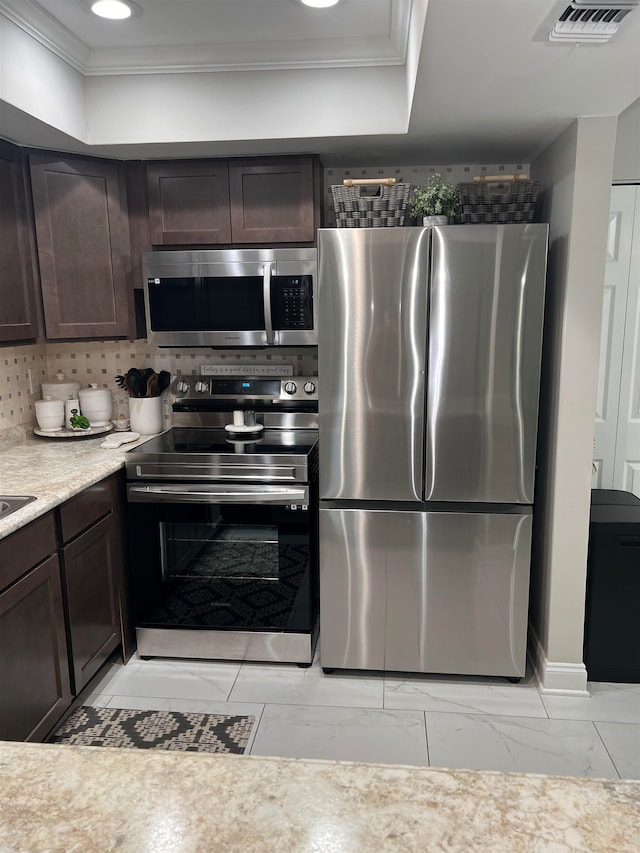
[435,202]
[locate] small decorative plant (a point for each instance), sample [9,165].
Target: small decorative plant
[436,198]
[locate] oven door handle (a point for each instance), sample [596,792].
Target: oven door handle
[158,494]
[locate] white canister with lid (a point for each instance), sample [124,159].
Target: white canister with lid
[60,388]
[96,405]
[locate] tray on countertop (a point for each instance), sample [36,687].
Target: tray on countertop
[74,433]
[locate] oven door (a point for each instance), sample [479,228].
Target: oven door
[223,557]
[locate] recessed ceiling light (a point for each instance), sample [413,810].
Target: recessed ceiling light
[114,10]
[319,4]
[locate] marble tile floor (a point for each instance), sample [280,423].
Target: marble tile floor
[442,721]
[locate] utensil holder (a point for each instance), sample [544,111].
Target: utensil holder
[145,415]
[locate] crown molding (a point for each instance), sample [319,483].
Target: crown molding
[248,56]
[47,31]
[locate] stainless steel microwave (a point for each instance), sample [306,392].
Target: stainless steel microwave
[231,297]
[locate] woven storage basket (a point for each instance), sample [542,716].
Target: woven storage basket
[357,210]
[502,202]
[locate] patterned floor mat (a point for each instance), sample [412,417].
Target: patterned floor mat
[172,730]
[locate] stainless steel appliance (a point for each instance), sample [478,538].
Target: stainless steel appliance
[429,358]
[223,522]
[231,297]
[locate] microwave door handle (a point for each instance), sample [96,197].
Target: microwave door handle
[266,295]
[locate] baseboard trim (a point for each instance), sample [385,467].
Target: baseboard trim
[554,677]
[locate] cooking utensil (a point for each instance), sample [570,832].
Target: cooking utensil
[152,385]
[121,382]
[134,381]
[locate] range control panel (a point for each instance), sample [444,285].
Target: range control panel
[246,388]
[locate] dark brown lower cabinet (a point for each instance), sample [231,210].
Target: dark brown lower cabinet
[90,575]
[34,672]
[64,607]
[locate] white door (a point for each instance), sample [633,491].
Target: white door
[626,472]
[624,222]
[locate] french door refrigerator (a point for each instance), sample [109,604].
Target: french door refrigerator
[429,363]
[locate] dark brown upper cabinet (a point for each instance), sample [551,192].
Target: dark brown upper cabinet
[272,200]
[188,202]
[17,285]
[83,246]
[228,202]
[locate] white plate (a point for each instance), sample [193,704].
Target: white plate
[74,433]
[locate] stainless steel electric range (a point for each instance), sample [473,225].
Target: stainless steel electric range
[223,518]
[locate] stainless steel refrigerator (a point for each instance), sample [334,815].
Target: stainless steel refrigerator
[429,367]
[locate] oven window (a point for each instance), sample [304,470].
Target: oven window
[219,550]
[231,566]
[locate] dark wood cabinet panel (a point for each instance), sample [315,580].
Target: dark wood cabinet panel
[17,285]
[83,510]
[27,547]
[138,215]
[34,671]
[83,246]
[123,574]
[90,573]
[188,202]
[272,200]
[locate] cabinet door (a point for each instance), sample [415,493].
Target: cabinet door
[90,572]
[188,202]
[34,670]
[17,303]
[83,246]
[272,200]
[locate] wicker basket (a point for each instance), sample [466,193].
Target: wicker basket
[355,209]
[500,201]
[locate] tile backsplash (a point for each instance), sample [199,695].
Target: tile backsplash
[101,361]
[16,403]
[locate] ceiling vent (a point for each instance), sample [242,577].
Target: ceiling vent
[588,21]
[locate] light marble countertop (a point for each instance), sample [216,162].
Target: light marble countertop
[54,470]
[66,798]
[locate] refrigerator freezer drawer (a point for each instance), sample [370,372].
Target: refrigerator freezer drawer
[433,592]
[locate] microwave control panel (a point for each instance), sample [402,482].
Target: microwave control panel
[292,302]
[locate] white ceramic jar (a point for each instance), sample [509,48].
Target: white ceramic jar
[49,414]
[96,404]
[60,388]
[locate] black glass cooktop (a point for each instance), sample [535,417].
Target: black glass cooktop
[187,440]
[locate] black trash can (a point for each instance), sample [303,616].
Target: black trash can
[612,617]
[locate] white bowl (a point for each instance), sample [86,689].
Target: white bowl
[49,414]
